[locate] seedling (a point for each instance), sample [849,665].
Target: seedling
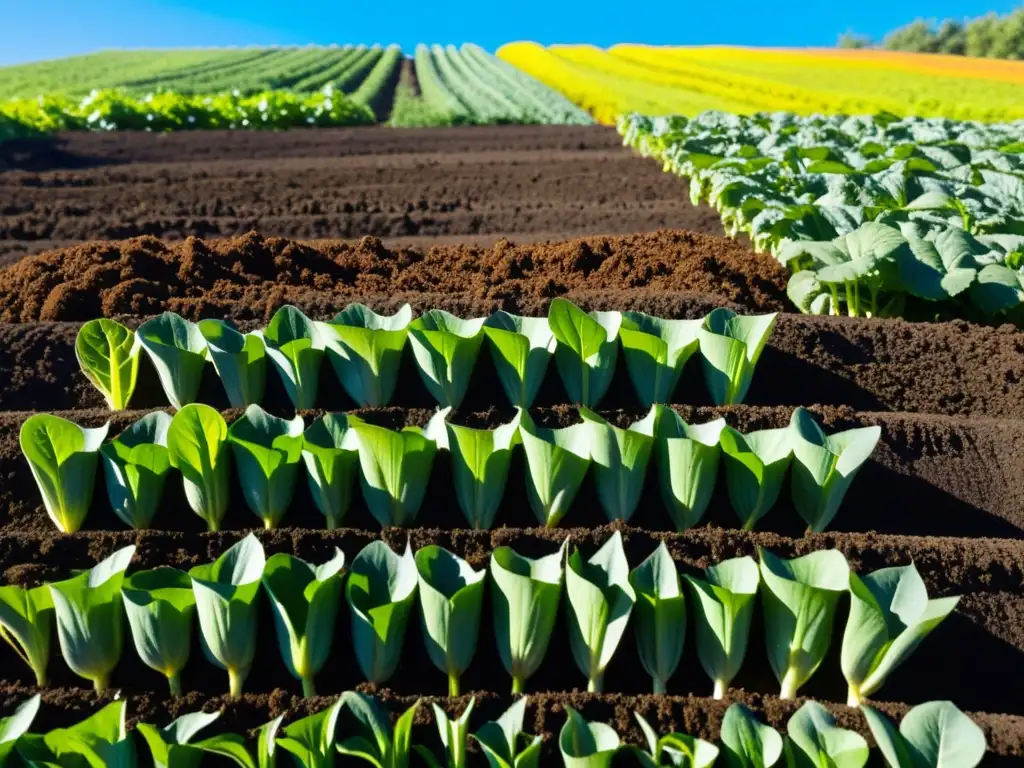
[295,346]
[109,358]
[504,743]
[177,350]
[687,465]
[747,742]
[26,624]
[521,348]
[197,445]
[372,738]
[586,745]
[660,615]
[730,346]
[586,350]
[814,739]
[330,450]
[135,465]
[619,459]
[365,350]
[446,348]
[931,735]
[556,463]
[173,746]
[239,359]
[161,608]
[656,351]
[480,462]
[755,466]
[678,749]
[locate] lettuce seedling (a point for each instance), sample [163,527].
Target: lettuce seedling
[656,351]
[730,346]
[267,452]
[161,608]
[451,593]
[932,735]
[525,596]
[503,742]
[724,602]
[747,742]
[239,359]
[825,466]
[814,740]
[688,457]
[521,348]
[101,739]
[312,740]
[586,745]
[177,350]
[365,350]
[446,348]
[800,597]
[109,358]
[890,614]
[295,345]
[15,726]
[677,749]
[62,457]
[330,450]
[587,346]
[227,596]
[90,618]
[135,465]
[556,463]
[480,461]
[454,737]
[380,592]
[600,602]
[26,624]
[197,444]
[172,746]
[619,458]
[305,601]
[755,466]
[372,738]
[660,615]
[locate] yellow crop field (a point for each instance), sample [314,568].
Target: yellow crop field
[688,80]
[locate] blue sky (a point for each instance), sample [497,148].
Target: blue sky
[41,29]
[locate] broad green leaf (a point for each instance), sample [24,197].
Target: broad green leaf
[173,746]
[730,346]
[330,451]
[586,350]
[26,624]
[747,742]
[267,452]
[365,350]
[556,463]
[521,348]
[197,445]
[161,608]
[755,466]
[16,725]
[998,290]
[678,749]
[295,346]
[313,739]
[660,615]
[504,743]
[810,295]
[815,740]
[266,743]
[932,735]
[619,458]
[687,465]
[454,734]
[446,348]
[480,462]
[586,745]
[177,350]
[240,361]
[109,358]
[656,350]
[370,737]
[98,741]
[135,464]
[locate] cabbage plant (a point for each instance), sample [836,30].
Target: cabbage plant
[102,739]
[197,445]
[521,348]
[747,742]
[109,358]
[239,359]
[660,625]
[503,742]
[312,740]
[931,735]
[173,746]
[177,350]
[135,465]
[556,463]
[688,456]
[586,350]
[814,739]
[370,736]
[446,348]
[480,462]
[586,745]
[330,450]
[730,346]
[62,457]
[677,749]
[295,345]
[16,725]
[655,351]
[454,733]
[619,459]
[755,467]
[161,608]
[365,350]
[26,624]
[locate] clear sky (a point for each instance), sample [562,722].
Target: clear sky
[41,29]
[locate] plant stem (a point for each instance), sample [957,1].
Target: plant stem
[595,683]
[853,698]
[517,684]
[236,677]
[174,681]
[308,686]
[659,685]
[719,691]
[453,684]
[99,684]
[789,685]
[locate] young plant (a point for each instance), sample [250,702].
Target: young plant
[800,597]
[600,602]
[239,359]
[724,602]
[814,740]
[372,738]
[161,608]
[678,749]
[587,346]
[730,346]
[660,615]
[446,348]
[15,726]
[521,348]
[931,735]
[330,450]
[227,597]
[525,595]
[267,452]
[380,592]
[172,747]
[312,740]
[747,742]
[365,350]
[135,465]
[556,463]
[480,461]
[102,739]
[890,614]
[62,457]
[197,445]
[451,593]
[26,624]
[109,358]
[619,458]
[177,350]
[295,345]
[755,466]
[825,466]
[688,457]
[305,601]
[656,351]
[586,745]
[503,742]
[454,737]
[266,743]
[90,618]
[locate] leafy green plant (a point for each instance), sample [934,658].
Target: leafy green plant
[451,594]
[747,742]
[600,603]
[330,450]
[365,350]
[161,608]
[109,358]
[800,597]
[755,466]
[525,596]
[688,457]
[656,350]
[454,737]
[724,602]
[305,601]
[446,348]
[660,615]
[503,742]
[135,465]
[678,749]
[26,624]
[521,348]
[239,359]
[266,743]
[90,618]
[730,346]
[619,459]
[295,345]
[13,727]
[177,350]
[62,457]
[480,461]
[825,466]
[586,350]
[102,739]
[173,745]
[931,735]
[267,452]
[380,592]
[227,597]
[556,463]
[814,740]
[586,745]
[311,740]
[197,445]
[890,614]
[373,740]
